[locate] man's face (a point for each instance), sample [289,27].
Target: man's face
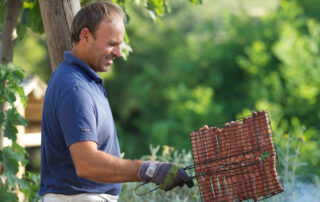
[106,45]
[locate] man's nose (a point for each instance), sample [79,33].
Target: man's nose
[117,51]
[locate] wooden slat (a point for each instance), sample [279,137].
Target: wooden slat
[31,139]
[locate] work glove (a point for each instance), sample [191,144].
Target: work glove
[166,175]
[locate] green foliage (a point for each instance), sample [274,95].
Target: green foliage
[36,62]
[155,8]
[290,159]
[32,187]
[12,156]
[7,196]
[212,63]
[201,69]
[11,78]
[30,17]
[311,8]
[286,81]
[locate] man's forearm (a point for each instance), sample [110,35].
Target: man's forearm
[99,166]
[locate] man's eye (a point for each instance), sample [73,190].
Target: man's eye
[111,44]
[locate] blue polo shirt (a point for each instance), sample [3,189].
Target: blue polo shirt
[75,109]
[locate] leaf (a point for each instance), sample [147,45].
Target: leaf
[23,97]
[30,186]
[126,49]
[10,162]
[23,184]
[28,4]
[34,19]
[4,73]
[11,97]
[7,196]
[17,75]
[21,152]
[10,131]
[10,67]
[15,118]
[32,177]
[12,179]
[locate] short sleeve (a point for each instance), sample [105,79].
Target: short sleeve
[76,114]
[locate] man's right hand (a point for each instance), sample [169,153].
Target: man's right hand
[166,175]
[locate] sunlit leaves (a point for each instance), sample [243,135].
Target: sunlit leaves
[157,8]
[20,152]
[125,47]
[196,1]
[258,57]
[299,53]
[284,77]
[189,102]
[11,78]
[290,10]
[11,156]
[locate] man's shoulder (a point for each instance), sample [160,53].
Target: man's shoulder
[68,76]
[67,85]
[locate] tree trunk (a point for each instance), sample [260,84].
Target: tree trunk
[9,33]
[57,16]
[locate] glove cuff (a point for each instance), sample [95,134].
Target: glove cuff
[147,170]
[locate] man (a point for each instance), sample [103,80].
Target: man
[80,155]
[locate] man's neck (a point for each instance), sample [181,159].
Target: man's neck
[77,53]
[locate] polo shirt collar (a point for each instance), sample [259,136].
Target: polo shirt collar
[74,60]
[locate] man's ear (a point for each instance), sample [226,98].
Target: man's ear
[84,35]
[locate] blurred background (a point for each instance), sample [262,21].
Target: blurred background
[208,63]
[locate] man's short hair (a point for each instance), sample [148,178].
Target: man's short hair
[91,15]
